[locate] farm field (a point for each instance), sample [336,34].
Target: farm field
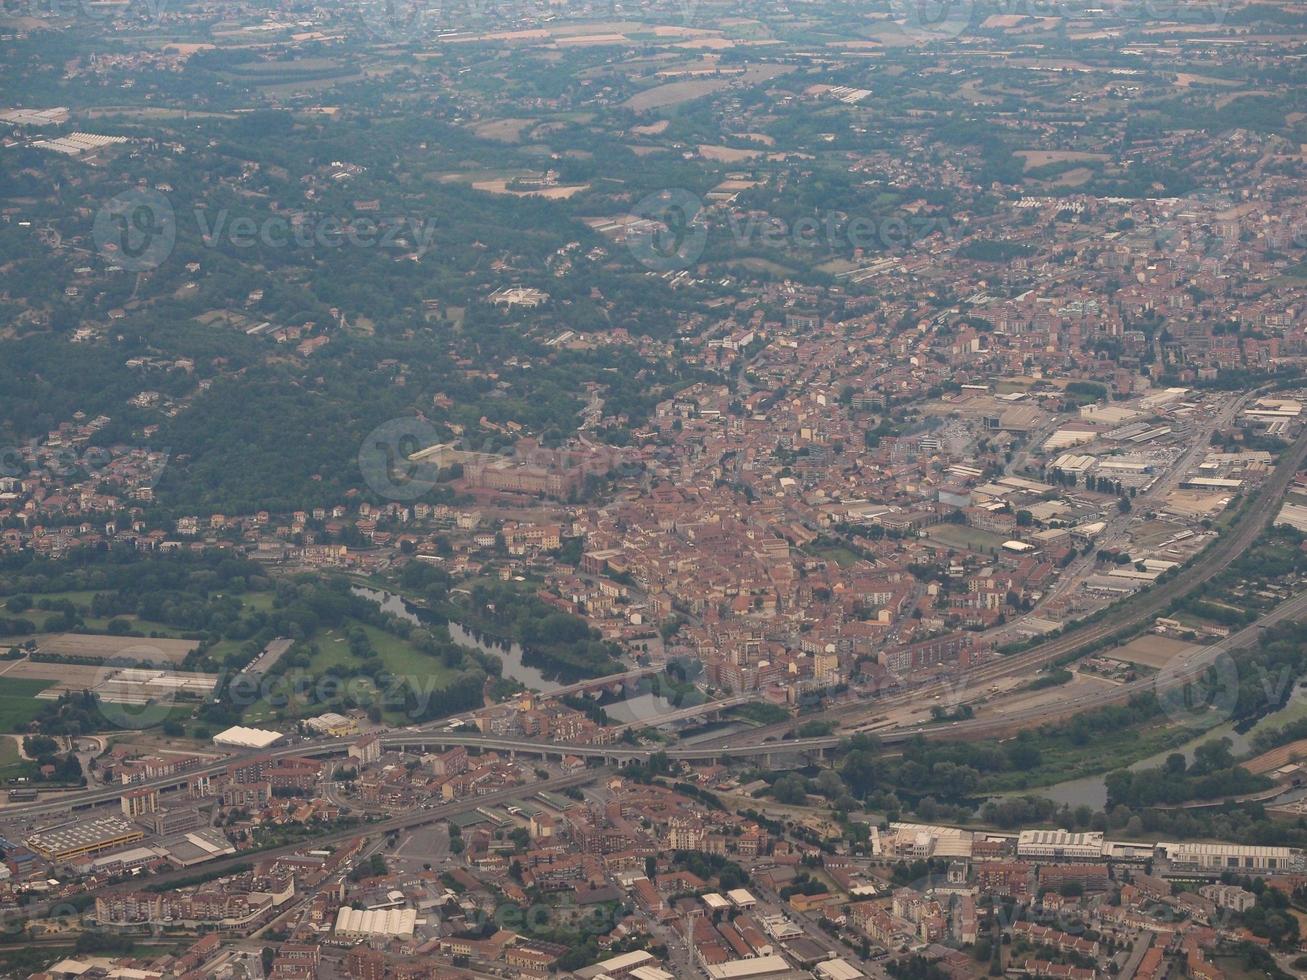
[1041,158]
[561,192]
[63,677]
[674,93]
[157,650]
[508,130]
[727,154]
[18,702]
[11,760]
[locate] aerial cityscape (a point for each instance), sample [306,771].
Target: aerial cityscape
[653,490]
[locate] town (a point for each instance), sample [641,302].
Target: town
[705,490]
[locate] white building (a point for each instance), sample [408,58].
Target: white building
[1229,897]
[1060,845]
[618,965]
[239,737]
[375,922]
[920,840]
[741,898]
[715,902]
[759,966]
[837,969]
[1244,858]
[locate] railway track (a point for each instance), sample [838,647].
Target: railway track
[1126,615]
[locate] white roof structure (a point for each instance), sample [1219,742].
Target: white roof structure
[1059,843]
[715,902]
[1067,438]
[326,720]
[837,969]
[759,966]
[246,738]
[1295,515]
[617,964]
[376,922]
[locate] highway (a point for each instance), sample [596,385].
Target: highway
[763,741]
[767,739]
[684,714]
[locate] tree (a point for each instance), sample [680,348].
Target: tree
[791,789]
[1213,755]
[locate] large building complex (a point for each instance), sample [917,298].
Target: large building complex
[81,839]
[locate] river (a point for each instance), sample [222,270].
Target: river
[1092,790]
[510,655]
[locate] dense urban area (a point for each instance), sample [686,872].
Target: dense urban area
[656,490]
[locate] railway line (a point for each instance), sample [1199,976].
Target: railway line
[406,821]
[1128,614]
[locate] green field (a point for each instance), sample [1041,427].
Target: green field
[18,702]
[398,656]
[961,536]
[11,763]
[252,601]
[837,553]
